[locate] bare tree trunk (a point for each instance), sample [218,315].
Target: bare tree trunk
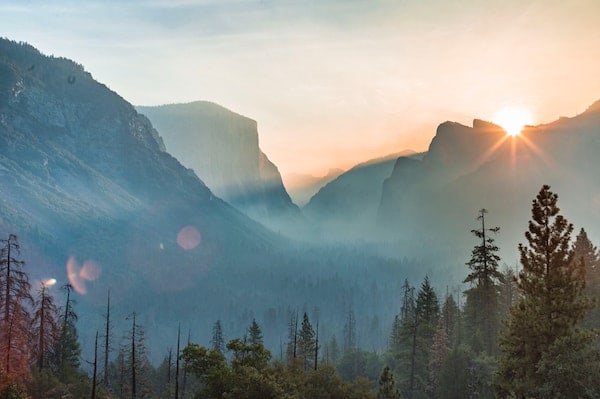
[106,340]
[95,367]
[177,364]
[133,365]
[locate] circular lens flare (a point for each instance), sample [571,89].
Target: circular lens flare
[188,238]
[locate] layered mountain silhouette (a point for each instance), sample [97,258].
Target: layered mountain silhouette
[426,205]
[222,148]
[87,185]
[302,187]
[435,200]
[93,193]
[85,180]
[347,206]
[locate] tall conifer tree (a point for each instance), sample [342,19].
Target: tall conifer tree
[544,354]
[218,340]
[254,333]
[45,323]
[482,309]
[306,343]
[15,302]
[586,251]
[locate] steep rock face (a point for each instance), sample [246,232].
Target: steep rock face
[435,201]
[347,206]
[84,179]
[222,148]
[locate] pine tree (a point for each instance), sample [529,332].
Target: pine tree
[306,343]
[350,332]
[137,367]
[292,343]
[15,319]
[450,317]
[218,341]
[439,352]
[66,350]
[482,309]
[395,341]
[427,305]
[254,333]
[408,301]
[423,329]
[585,251]
[509,291]
[387,386]
[541,340]
[45,323]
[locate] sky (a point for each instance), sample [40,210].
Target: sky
[331,83]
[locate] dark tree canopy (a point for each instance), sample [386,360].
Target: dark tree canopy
[541,329]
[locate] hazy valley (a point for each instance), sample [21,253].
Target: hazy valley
[178,212]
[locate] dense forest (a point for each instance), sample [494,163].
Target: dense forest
[512,333]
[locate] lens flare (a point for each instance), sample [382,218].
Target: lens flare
[78,275]
[188,238]
[49,282]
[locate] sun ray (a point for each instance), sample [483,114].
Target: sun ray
[513,119]
[490,151]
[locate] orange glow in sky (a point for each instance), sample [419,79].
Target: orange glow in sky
[513,119]
[341,81]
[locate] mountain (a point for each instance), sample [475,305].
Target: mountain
[347,206]
[95,200]
[86,184]
[432,203]
[303,186]
[222,148]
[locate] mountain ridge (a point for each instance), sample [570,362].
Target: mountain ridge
[222,147]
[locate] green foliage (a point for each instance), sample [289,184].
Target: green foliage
[306,343]
[255,333]
[585,251]
[482,309]
[570,366]
[250,375]
[210,367]
[387,386]
[465,375]
[218,340]
[358,364]
[248,355]
[543,324]
[427,305]
[45,323]
[12,391]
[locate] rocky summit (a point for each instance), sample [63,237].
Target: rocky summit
[222,147]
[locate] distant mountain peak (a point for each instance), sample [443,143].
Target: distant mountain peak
[222,147]
[481,125]
[594,108]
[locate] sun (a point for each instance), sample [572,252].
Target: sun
[513,119]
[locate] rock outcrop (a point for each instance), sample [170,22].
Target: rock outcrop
[223,150]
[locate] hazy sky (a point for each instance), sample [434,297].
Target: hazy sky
[331,83]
